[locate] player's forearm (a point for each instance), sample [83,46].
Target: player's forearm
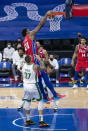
[42,65]
[43,21]
[74,57]
[46,57]
[39,26]
[40,61]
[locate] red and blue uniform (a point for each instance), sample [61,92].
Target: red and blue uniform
[40,52]
[82,58]
[45,76]
[82,62]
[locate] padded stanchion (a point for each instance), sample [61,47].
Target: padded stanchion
[80,11]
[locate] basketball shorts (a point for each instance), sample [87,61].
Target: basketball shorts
[80,65]
[32,91]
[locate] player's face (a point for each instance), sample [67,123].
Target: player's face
[83,41]
[28,31]
[9,45]
[79,34]
[19,40]
[38,44]
[51,57]
[21,53]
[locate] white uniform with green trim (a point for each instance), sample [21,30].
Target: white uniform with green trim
[31,89]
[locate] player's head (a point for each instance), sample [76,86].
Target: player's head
[19,40]
[51,57]
[9,44]
[28,59]
[38,44]
[21,51]
[83,40]
[79,34]
[18,46]
[25,32]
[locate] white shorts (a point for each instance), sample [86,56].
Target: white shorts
[32,91]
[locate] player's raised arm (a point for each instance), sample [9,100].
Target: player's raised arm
[49,13]
[42,67]
[74,55]
[46,55]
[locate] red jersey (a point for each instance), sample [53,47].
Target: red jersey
[40,51]
[28,46]
[82,53]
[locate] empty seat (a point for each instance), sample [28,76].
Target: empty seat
[65,69]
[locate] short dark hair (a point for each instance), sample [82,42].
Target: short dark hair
[83,38]
[24,32]
[28,58]
[9,42]
[19,38]
[21,48]
[37,41]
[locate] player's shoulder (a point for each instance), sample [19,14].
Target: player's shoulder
[12,49]
[26,39]
[5,49]
[34,66]
[77,47]
[55,60]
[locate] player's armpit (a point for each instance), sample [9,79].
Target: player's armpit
[76,49]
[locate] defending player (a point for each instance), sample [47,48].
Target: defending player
[44,74]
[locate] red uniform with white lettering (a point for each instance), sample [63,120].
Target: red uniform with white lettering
[27,43]
[82,58]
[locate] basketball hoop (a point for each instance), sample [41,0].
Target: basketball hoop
[58,13]
[55,21]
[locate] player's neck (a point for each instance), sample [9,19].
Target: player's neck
[83,45]
[30,63]
[40,47]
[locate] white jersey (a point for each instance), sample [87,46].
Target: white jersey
[29,76]
[21,62]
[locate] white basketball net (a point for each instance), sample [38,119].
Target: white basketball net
[55,23]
